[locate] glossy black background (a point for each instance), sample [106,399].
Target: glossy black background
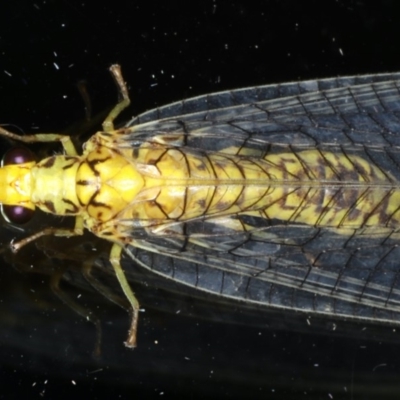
[169,51]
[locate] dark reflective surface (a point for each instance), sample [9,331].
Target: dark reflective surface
[187,346]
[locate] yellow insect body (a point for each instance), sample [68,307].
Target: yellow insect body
[160,184]
[170,184]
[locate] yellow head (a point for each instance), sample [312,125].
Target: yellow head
[15,185]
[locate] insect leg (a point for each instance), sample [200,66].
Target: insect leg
[108,124]
[42,137]
[47,231]
[115,260]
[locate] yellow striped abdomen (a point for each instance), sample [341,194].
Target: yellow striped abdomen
[311,187]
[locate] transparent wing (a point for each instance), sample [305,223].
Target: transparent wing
[344,111]
[288,266]
[334,269]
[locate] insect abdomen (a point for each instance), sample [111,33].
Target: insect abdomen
[313,187]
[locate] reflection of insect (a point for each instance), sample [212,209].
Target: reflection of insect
[283,195]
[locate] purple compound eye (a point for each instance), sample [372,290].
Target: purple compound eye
[17,214]
[17,155]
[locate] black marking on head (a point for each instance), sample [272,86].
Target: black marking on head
[74,208]
[93,202]
[49,162]
[83,182]
[71,160]
[92,165]
[50,206]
